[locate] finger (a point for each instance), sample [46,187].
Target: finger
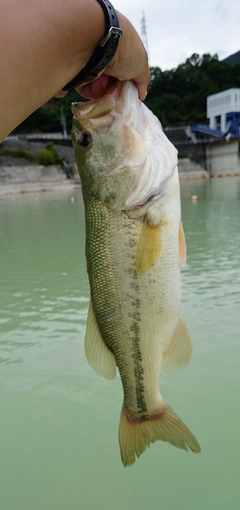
[142,90]
[142,83]
[61,94]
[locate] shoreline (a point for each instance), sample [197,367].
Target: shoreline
[36,178]
[9,189]
[68,185]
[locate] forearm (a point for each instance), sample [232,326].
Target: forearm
[43,46]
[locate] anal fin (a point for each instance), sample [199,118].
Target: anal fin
[98,354]
[179,352]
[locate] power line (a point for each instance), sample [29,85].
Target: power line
[144,32]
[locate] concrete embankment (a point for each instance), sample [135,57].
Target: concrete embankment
[20,175]
[31,178]
[189,170]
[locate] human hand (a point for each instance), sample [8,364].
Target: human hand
[130,62]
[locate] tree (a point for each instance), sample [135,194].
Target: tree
[177,97]
[47,119]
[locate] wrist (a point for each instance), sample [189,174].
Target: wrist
[104,51]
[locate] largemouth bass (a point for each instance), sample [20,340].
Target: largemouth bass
[134,248]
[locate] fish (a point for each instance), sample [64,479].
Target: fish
[135,247]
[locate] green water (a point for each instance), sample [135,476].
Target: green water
[59,419]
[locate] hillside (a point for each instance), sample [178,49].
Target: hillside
[233,59]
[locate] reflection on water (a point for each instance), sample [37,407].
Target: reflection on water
[59,419]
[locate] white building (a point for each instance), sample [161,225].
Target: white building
[218,105]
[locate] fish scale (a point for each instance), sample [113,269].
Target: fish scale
[113,322]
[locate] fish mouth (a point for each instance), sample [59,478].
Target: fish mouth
[97,108]
[113,100]
[91,110]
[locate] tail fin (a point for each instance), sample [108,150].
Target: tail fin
[136,434]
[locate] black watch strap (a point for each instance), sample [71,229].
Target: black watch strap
[104,51]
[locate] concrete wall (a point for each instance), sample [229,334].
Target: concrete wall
[223,157]
[30,173]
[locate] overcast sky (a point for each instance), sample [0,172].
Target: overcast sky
[178,28]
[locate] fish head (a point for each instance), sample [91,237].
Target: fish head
[122,154]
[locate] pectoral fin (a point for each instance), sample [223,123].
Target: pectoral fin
[179,352]
[98,354]
[149,247]
[182,246]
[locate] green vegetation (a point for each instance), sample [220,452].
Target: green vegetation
[177,96]
[47,156]
[18,153]
[47,119]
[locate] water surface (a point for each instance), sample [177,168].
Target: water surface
[59,419]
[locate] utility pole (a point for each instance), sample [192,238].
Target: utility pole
[144,33]
[63,122]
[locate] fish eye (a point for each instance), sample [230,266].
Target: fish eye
[84,139]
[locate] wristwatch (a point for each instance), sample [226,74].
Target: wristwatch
[104,51]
